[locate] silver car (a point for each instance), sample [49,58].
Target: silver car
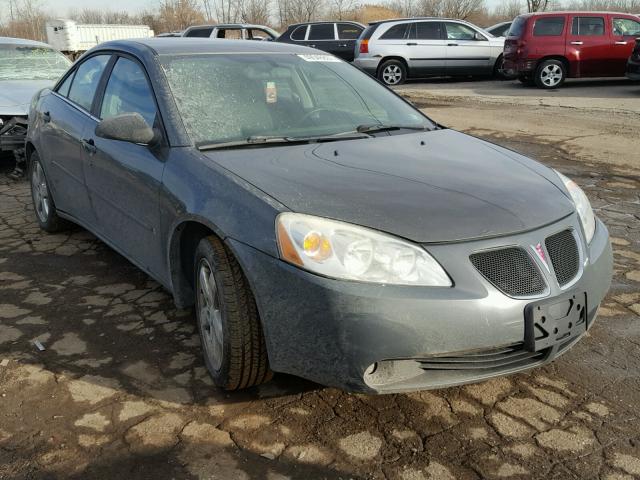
[394,50]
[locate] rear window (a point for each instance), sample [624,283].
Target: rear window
[548,27]
[397,32]
[199,32]
[588,26]
[299,33]
[517,27]
[347,31]
[322,31]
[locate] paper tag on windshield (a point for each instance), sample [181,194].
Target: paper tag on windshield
[319,58]
[271,92]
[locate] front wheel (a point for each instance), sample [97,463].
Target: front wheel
[550,74]
[392,72]
[233,344]
[43,204]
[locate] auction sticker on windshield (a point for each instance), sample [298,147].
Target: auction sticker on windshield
[319,58]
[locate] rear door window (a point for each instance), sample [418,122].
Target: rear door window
[587,26]
[346,31]
[86,79]
[549,27]
[322,31]
[299,33]
[230,33]
[200,32]
[429,31]
[397,32]
[626,27]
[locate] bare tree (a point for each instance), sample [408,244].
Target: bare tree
[294,11]
[508,10]
[27,19]
[342,9]
[537,5]
[255,11]
[178,15]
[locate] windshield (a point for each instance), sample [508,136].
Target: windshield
[28,62]
[227,98]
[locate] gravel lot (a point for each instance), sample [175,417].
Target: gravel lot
[121,391]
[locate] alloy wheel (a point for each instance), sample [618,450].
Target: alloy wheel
[210,314]
[551,75]
[40,192]
[392,74]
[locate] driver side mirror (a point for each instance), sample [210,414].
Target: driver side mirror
[128,127]
[479,37]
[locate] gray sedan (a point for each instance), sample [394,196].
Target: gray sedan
[320,225]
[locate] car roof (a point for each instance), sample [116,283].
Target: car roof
[325,21]
[575,12]
[228,25]
[182,45]
[407,19]
[23,41]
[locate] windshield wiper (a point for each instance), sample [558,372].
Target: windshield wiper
[257,140]
[378,127]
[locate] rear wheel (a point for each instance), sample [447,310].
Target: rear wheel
[233,344]
[550,74]
[43,204]
[392,72]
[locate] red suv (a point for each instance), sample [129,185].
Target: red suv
[546,48]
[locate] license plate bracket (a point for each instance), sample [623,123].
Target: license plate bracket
[553,321]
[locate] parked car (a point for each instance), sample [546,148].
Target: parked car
[394,50]
[25,67]
[547,48]
[232,31]
[633,65]
[337,38]
[320,224]
[499,29]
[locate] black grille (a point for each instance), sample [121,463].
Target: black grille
[564,255]
[511,270]
[497,359]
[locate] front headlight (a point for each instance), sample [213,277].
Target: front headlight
[583,206]
[341,250]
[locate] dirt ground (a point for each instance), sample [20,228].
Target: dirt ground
[120,390]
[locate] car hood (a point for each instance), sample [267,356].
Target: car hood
[437,186]
[16,95]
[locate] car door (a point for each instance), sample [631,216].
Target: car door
[348,33]
[124,178]
[66,116]
[428,54]
[323,37]
[624,33]
[468,51]
[589,42]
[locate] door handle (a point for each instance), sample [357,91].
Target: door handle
[621,43]
[411,44]
[343,45]
[452,44]
[46,117]
[89,146]
[577,43]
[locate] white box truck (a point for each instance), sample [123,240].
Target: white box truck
[72,38]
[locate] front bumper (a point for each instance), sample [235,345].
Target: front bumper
[333,332]
[633,70]
[13,133]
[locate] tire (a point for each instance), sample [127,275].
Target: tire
[43,205]
[232,341]
[550,74]
[526,80]
[392,72]
[498,69]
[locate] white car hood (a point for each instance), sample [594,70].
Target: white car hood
[16,95]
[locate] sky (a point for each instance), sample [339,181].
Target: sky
[62,6]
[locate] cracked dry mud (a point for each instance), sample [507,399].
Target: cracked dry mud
[121,390]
